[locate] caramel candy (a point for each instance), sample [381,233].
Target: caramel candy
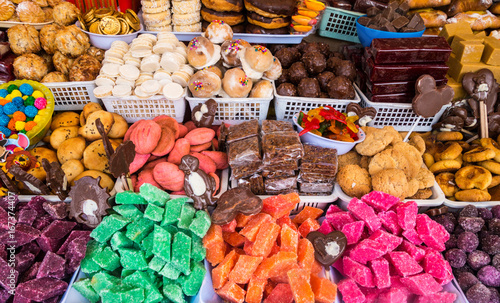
[491,53]
[458,69]
[465,37]
[460,93]
[452,29]
[469,51]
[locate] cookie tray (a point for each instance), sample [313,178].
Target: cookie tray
[38,26]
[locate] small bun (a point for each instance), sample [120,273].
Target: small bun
[204,84]
[263,89]
[256,60]
[236,83]
[218,32]
[200,52]
[275,71]
[214,69]
[54,77]
[231,50]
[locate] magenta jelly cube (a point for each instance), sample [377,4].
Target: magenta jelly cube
[3,252]
[350,291]
[339,265]
[4,295]
[407,214]
[6,276]
[333,209]
[52,266]
[41,289]
[381,275]
[367,250]
[24,260]
[393,295]
[75,254]
[422,284]
[27,216]
[371,294]
[441,297]
[23,234]
[414,251]
[432,233]
[339,219]
[52,236]
[396,283]
[31,247]
[389,241]
[30,273]
[362,211]
[435,265]
[360,273]
[390,222]
[353,231]
[325,227]
[404,264]
[41,222]
[412,236]
[380,200]
[20,299]
[85,234]
[36,203]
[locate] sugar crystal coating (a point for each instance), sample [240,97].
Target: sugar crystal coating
[472,224]
[466,280]
[478,293]
[478,259]
[489,276]
[467,241]
[469,211]
[456,257]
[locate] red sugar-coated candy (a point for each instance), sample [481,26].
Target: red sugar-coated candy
[392,295]
[415,252]
[281,205]
[367,250]
[269,287]
[247,247]
[285,220]
[325,227]
[380,200]
[353,231]
[289,239]
[360,273]
[441,297]
[362,211]
[283,278]
[265,239]
[412,236]
[308,226]
[407,214]
[233,238]
[301,289]
[220,274]
[422,284]
[282,293]
[433,234]
[307,213]
[276,265]
[324,290]
[404,264]
[41,289]
[339,219]
[305,255]
[232,292]
[390,222]
[350,291]
[381,275]
[244,269]
[390,241]
[252,227]
[52,266]
[229,227]
[255,290]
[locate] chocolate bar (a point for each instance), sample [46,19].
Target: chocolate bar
[385,88]
[403,72]
[410,50]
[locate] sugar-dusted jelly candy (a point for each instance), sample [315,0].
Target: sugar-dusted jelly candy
[41,289]
[433,234]
[360,273]
[350,291]
[232,292]
[139,229]
[265,239]
[308,226]
[200,224]
[412,236]
[173,210]
[281,205]
[128,211]
[415,252]
[255,290]
[215,253]
[282,293]
[154,195]
[339,219]
[362,211]
[276,265]
[198,252]
[326,227]
[233,238]
[161,243]
[191,285]
[305,255]
[308,212]
[301,289]
[435,265]
[371,294]
[381,274]
[52,235]
[324,290]
[404,264]
[156,264]
[407,214]
[379,200]
[422,284]
[174,293]
[242,220]
[441,297]
[229,227]
[289,239]
[6,276]
[252,227]
[367,250]
[85,234]
[109,225]
[213,236]
[392,295]
[107,259]
[244,269]
[181,252]
[186,216]
[154,213]
[353,231]
[52,266]
[132,259]
[83,286]
[88,265]
[474,224]
[170,271]
[119,240]
[389,240]
[102,281]
[129,197]
[220,274]
[142,280]
[390,222]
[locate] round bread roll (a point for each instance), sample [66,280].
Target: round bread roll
[256,60]
[71,41]
[49,14]
[236,84]
[54,77]
[23,39]
[53,3]
[214,69]
[48,37]
[204,84]
[201,52]
[84,68]
[30,67]
[218,32]
[262,89]
[96,52]
[30,12]
[65,13]
[275,71]
[7,10]
[62,63]
[224,5]
[231,50]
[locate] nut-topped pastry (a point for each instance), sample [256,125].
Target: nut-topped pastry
[71,41]
[23,39]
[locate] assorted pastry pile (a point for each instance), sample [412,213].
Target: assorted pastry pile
[39,11]
[179,16]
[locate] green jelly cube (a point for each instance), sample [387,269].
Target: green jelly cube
[174,293]
[104,281]
[156,264]
[186,217]
[126,272]
[161,243]
[83,287]
[89,267]
[192,283]
[154,195]
[200,224]
[138,230]
[119,240]
[109,296]
[128,211]
[154,213]
[170,271]
[133,295]
[87,264]
[171,229]
[141,279]
[198,251]
[129,197]
[133,259]
[181,252]
[173,210]
[108,259]
[108,227]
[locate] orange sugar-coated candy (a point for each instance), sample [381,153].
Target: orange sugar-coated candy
[317,268]
[12,125]
[283,277]
[308,226]
[19,116]
[244,269]
[29,125]
[232,292]
[281,205]
[3,101]
[324,290]
[255,290]
[229,227]
[289,239]
[252,227]
[269,288]
[266,237]
[233,238]
[220,274]
[242,220]
[213,236]
[247,247]
[286,220]
[301,289]
[282,293]
[275,265]
[216,253]
[308,212]
[305,255]
[274,250]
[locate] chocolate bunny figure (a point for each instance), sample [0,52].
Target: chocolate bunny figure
[197,184]
[203,114]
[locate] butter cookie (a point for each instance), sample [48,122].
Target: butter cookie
[448,151]
[445,166]
[479,154]
[391,181]
[449,136]
[471,177]
[473,195]
[354,180]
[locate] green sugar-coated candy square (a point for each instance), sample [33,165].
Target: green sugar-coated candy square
[200,224]
[171,229]
[161,243]
[192,283]
[174,293]
[89,267]
[142,279]
[198,252]
[108,227]
[109,296]
[167,281]
[108,259]
[119,240]
[132,259]
[129,197]
[156,264]
[128,211]
[173,210]
[85,289]
[103,281]
[133,295]
[138,230]
[181,252]
[155,278]
[170,271]
[154,213]
[187,215]
[126,272]
[153,194]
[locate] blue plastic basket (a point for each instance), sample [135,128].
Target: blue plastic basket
[339,24]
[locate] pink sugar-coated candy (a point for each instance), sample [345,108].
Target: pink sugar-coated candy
[390,222]
[367,250]
[333,209]
[362,211]
[360,273]
[422,284]
[435,265]
[381,274]
[432,233]
[407,214]
[389,241]
[350,291]
[353,231]
[371,294]
[339,265]
[40,103]
[339,219]
[414,251]
[441,297]
[326,228]
[392,295]
[404,264]
[396,283]
[380,200]
[41,289]
[412,236]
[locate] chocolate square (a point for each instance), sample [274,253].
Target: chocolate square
[400,22]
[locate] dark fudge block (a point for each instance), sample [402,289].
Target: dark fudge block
[410,50]
[403,72]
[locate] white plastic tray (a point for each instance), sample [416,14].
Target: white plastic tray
[72,95]
[251,38]
[462,204]
[38,26]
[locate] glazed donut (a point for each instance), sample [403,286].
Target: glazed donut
[268,23]
[231,51]
[218,32]
[275,71]
[224,5]
[450,151]
[204,84]
[470,177]
[473,195]
[236,84]
[492,166]
[202,53]
[231,18]
[479,154]
[449,136]
[491,144]
[446,182]
[445,166]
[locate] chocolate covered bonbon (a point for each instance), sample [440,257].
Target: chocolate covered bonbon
[197,184]
[233,202]
[328,248]
[89,201]
[203,114]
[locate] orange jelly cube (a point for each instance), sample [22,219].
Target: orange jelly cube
[281,205]
[308,212]
[308,226]
[269,288]
[229,227]
[265,240]
[247,248]
[216,253]
[242,220]
[274,250]
[220,274]
[276,265]
[282,293]
[232,292]
[301,289]
[317,268]
[244,269]
[233,238]
[305,255]
[255,290]
[286,220]
[252,228]
[289,239]
[324,290]
[213,236]
[283,277]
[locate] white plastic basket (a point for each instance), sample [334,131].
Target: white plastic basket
[286,107]
[398,115]
[462,204]
[72,95]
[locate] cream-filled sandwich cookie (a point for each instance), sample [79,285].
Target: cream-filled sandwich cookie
[173,91]
[122,90]
[103,91]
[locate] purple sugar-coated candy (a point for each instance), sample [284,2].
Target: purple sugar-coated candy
[388,240]
[57,210]
[467,241]
[52,266]
[24,260]
[414,251]
[491,244]
[20,299]
[494,226]
[451,243]
[4,295]
[458,230]
[31,247]
[485,213]
[478,293]
[407,215]
[495,261]
[339,219]
[364,212]
[412,236]
[4,220]
[30,273]
[472,224]
[6,202]
[42,289]
[22,235]
[3,252]
[469,211]
[85,234]
[36,203]
[380,201]
[6,276]
[446,221]
[52,236]
[478,259]
[75,254]
[495,210]
[390,222]
[495,296]
[466,280]
[27,216]
[41,222]
[489,276]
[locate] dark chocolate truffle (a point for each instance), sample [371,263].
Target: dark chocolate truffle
[332,62]
[341,88]
[314,62]
[297,72]
[308,87]
[324,78]
[287,56]
[283,78]
[287,89]
[347,69]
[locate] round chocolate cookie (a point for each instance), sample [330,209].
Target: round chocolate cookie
[231,18]
[271,9]
[268,23]
[238,28]
[224,5]
[254,29]
[287,89]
